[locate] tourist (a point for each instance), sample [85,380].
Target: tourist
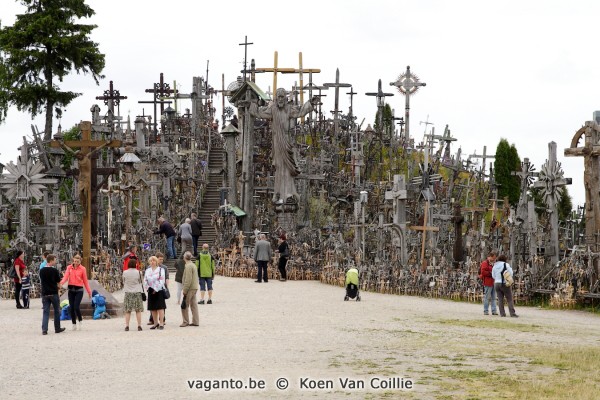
[206,271]
[161,258]
[489,292]
[25,287]
[262,256]
[167,229]
[284,255]
[49,279]
[133,289]
[20,267]
[76,276]
[196,232]
[179,268]
[99,306]
[131,254]
[154,281]
[185,233]
[190,287]
[44,259]
[501,289]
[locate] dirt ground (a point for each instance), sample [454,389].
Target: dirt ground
[259,334]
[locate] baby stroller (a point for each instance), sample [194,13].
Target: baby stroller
[352,285]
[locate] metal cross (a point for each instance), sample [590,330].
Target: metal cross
[111,98]
[245,44]
[337,85]
[407,83]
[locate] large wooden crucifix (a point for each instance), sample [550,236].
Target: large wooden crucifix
[87,148]
[590,151]
[424,228]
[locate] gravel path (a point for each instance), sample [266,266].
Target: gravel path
[301,331]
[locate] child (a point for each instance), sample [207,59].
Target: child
[99,304]
[25,286]
[64,310]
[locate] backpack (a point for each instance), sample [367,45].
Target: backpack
[100,301]
[506,277]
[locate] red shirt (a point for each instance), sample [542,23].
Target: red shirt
[126,262]
[19,267]
[485,273]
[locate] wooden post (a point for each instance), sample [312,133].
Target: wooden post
[424,229]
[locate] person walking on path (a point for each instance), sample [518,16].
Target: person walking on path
[133,289]
[49,279]
[503,291]
[196,232]
[262,256]
[185,232]
[76,276]
[20,267]
[206,271]
[489,292]
[167,229]
[284,255]
[190,287]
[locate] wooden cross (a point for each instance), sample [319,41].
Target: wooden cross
[424,229]
[111,98]
[275,70]
[337,85]
[300,71]
[245,44]
[87,148]
[484,157]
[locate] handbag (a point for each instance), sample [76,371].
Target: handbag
[12,273]
[144,298]
[508,279]
[183,304]
[166,293]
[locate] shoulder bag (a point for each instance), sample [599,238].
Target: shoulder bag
[507,277]
[144,298]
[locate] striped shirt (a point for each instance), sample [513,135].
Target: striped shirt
[25,283]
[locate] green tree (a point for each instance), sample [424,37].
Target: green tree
[43,46]
[507,160]
[565,205]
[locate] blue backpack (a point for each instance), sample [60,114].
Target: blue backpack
[100,301]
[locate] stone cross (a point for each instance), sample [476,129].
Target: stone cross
[551,181]
[407,83]
[87,147]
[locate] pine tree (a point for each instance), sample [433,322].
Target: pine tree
[44,45]
[507,160]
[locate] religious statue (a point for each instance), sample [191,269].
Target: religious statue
[284,116]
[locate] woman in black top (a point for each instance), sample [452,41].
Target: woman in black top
[284,255]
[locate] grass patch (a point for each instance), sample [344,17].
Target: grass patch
[492,323]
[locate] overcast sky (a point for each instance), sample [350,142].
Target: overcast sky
[526,71]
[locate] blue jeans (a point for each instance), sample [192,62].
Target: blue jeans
[171,252]
[489,292]
[46,301]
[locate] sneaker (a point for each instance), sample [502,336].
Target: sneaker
[74,327]
[202,302]
[61,330]
[486,313]
[514,316]
[79,328]
[44,332]
[209,301]
[494,313]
